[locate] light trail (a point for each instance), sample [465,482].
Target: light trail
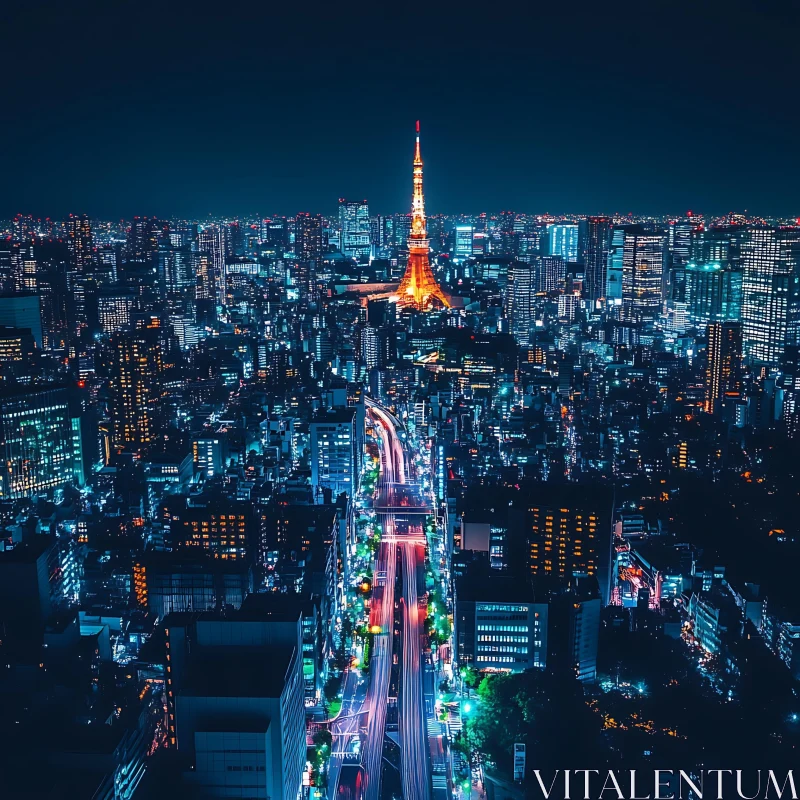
[395,471]
[413,731]
[380,668]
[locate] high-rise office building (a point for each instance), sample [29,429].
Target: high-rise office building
[378,232]
[36,438]
[770,260]
[114,307]
[371,347]
[22,311]
[679,241]
[520,291]
[719,244]
[308,237]
[642,270]
[176,270]
[499,626]
[552,273]
[595,258]
[144,236]
[80,244]
[401,230]
[723,377]
[234,237]
[36,579]
[564,240]
[135,388]
[211,242]
[712,292]
[335,452]
[462,236]
[355,228]
[275,233]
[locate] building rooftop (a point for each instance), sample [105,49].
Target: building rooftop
[336,415]
[28,552]
[238,673]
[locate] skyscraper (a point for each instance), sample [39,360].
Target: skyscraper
[355,227]
[418,288]
[36,441]
[275,233]
[176,270]
[401,230]
[211,241]
[79,242]
[135,388]
[520,291]
[552,273]
[308,236]
[463,241]
[770,259]
[712,292]
[724,363]
[143,238]
[564,240]
[598,244]
[642,270]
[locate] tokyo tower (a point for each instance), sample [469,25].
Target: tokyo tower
[418,289]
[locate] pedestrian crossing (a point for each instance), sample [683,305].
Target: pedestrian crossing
[439,780]
[435,728]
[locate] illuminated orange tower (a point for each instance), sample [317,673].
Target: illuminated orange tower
[419,288]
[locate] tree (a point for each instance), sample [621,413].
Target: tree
[545,711]
[471,677]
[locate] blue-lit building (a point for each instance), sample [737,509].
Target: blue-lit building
[564,240]
[38,442]
[462,236]
[335,451]
[355,228]
[498,626]
[713,293]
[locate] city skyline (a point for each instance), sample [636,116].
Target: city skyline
[380,498]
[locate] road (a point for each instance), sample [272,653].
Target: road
[396,491]
[382,615]
[344,727]
[414,758]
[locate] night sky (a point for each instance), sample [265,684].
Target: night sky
[117,108]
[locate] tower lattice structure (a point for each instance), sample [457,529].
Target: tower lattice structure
[418,288]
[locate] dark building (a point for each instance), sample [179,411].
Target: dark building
[185,580]
[212,523]
[595,257]
[723,379]
[235,701]
[569,532]
[308,237]
[135,388]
